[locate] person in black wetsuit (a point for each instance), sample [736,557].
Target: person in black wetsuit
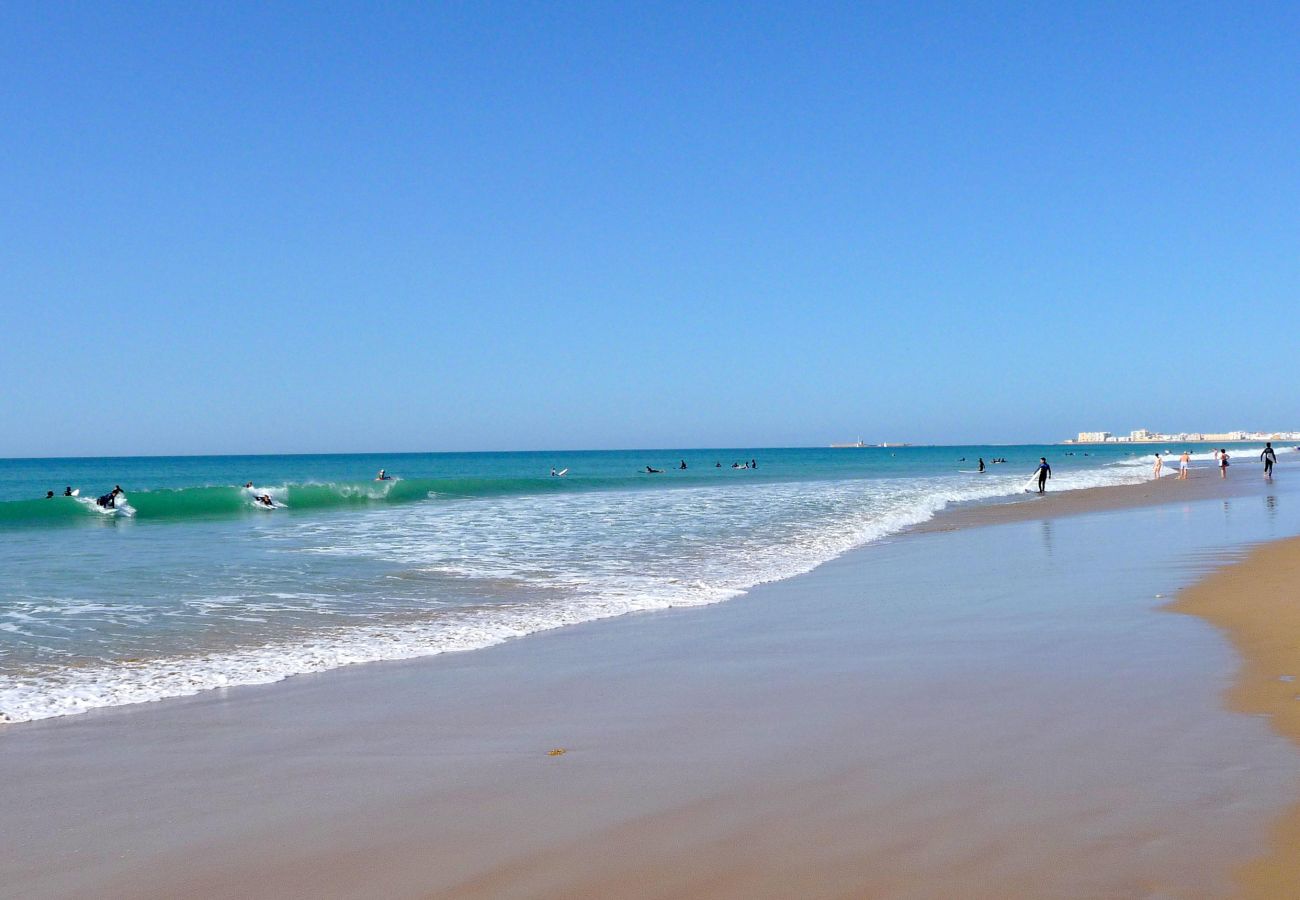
[683,465]
[1269,458]
[1044,473]
[67,491]
[981,464]
[650,470]
[49,495]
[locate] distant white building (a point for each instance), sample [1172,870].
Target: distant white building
[1093,437]
[1140,435]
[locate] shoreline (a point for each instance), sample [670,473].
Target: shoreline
[1253,602]
[1202,484]
[1004,509]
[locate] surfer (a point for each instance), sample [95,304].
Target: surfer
[383,476]
[265,500]
[981,464]
[1044,473]
[1269,457]
[653,471]
[1183,462]
[717,465]
[683,465]
[1223,463]
[753,464]
[109,500]
[67,491]
[49,495]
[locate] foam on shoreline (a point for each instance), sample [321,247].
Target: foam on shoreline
[769,533]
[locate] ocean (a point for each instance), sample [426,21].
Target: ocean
[189,584]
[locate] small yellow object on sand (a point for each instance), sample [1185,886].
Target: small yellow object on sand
[558,751]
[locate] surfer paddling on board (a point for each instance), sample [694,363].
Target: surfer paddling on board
[1044,473]
[383,476]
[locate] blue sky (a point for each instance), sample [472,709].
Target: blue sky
[331,227]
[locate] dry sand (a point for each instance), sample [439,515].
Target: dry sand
[1257,602]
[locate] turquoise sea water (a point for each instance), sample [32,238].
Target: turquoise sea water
[188,584]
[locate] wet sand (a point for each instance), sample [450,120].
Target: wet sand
[1257,602]
[979,712]
[1201,484]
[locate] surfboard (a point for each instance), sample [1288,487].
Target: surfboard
[972,471]
[1032,486]
[561,473]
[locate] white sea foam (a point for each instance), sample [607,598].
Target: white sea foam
[526,564]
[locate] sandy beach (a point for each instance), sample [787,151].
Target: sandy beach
[928,716]
[1255,602]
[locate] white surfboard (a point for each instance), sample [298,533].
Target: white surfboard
[561,473]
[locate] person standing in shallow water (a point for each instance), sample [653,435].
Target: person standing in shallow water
[1269,457]
[1223,463]
[1160,464]
[1044,473]
[1183,462]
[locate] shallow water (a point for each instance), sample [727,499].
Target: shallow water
[188,585]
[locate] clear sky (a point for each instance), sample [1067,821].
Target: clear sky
[330,227]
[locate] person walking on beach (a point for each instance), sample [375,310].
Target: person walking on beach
[1182,464]
[1223,463]
[1044,473]
[1160,464]
[1269,458]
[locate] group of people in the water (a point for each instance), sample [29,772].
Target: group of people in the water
[742,464]
[105,501]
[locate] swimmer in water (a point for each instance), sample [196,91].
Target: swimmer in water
[981,464]
[49,495]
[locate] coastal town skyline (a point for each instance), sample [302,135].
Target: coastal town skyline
[1144,436]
